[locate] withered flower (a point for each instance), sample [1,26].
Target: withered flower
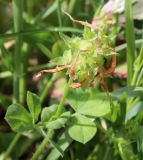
[88,57]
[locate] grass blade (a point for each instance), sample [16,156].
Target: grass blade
[130,39]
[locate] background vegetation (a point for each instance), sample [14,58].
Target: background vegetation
[29,39]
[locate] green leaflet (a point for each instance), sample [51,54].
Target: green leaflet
[91,105]
[82,129]
[48,112]
[54,123]
[18,118]
[34,105]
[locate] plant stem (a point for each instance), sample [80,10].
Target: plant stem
[43,30]
[24,68]
[18,26]
[11,146]
[60,106]
[130,38]
[59,110]
[30,9]
[40,148]
[59,12]
[47,88]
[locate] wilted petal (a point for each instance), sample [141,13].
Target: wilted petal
[114,6]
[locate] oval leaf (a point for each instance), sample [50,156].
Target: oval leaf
[48,112]
[93,105]
[18,118]
[82,129]
[34,105]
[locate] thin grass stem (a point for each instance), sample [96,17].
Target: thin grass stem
[130,39]
[59,12]
[18,27]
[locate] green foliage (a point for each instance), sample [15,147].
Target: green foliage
[140,140]
[92,105]
[125,150]
[18,118]
[135,110]
[58,49]
[48,113]
[130,38]
[87,34]
[64,141]
[60,122]
[82,129]
[66,128]
[34,105]
[45,50]
[62,60]
[6,58]
[130,91]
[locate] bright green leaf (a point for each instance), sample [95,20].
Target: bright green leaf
[34,105]
[18,118]
[82,129]
[77,98]
[92,105]
[48,112]
[60,122]
[95,107]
